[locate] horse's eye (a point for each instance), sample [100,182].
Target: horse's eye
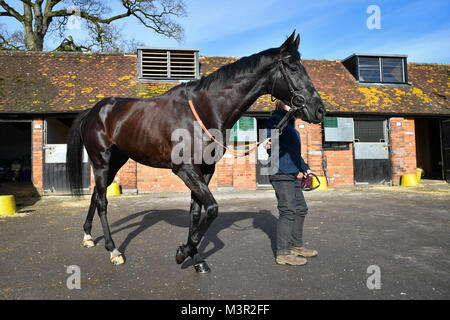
[293,68]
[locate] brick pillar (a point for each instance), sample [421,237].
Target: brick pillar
[224,171]
[302,128]
[403,148]
[244,171]
[314,148]
[37,153]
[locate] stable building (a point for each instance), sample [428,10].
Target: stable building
[385,117]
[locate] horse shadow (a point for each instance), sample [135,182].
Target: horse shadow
[263,220]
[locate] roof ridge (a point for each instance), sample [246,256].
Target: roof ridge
[45,53]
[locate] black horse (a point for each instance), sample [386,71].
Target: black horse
[117,129]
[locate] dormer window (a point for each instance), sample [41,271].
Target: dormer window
[368,68]
[168,64]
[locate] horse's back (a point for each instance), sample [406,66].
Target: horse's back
[139,128]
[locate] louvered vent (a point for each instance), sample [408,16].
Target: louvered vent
[168,64]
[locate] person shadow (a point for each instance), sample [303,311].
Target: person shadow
[263,220]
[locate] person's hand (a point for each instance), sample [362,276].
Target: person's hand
[308,172]
[267,144]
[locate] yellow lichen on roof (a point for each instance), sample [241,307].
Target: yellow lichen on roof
[376,97]
[87,90]
[418,92]
[124,78]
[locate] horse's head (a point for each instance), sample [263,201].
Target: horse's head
[292,84]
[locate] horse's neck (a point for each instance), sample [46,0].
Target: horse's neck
[244,94]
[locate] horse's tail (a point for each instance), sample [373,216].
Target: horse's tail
[74,156]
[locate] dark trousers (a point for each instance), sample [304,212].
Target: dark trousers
[292,209]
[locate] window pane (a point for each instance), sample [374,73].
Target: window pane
[369,130]
[392,70]
[369,69]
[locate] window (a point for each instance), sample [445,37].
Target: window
[369,68]
[381,69]
[392,70]
[369,130]
[168,64]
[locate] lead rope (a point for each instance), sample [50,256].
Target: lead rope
[246,153]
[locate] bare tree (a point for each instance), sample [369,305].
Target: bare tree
[11,41]
[42,16]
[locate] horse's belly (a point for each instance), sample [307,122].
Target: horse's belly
[153,162]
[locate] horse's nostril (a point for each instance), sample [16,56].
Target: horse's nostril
[321,112]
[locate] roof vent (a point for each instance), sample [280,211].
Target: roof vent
[168,63]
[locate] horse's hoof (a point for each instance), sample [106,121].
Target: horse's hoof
[88,244]
[180,256]
[202,267]
[117,260]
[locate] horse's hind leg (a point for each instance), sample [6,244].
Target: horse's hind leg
[87,240]
[105,168]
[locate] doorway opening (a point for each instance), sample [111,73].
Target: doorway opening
[428,148]
[15,158]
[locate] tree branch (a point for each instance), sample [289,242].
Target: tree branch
[49,6]
[11,11]
[87,16]
[6,14]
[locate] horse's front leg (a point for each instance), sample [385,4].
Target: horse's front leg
[197,180]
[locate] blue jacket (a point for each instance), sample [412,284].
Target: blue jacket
[290,157]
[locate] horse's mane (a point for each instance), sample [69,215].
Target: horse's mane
[229,71]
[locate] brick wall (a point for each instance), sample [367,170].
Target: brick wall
[126,177]
[339,162]
[157,180]
[224,172]
[37,153]
[244,171]
[403,148]
[340,167]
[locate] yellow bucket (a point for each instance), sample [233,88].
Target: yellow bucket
[7,205]
[419,174]
[113,190]
[323,183]
[409,180]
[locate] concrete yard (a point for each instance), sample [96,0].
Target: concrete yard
[403,231]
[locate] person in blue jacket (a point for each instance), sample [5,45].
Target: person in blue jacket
[291,206]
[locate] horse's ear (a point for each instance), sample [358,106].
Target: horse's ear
[297,41]
[288,41]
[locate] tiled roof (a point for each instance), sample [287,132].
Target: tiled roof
[54,82]
[58,82]
[428,93]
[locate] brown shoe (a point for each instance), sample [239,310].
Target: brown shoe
[302,251]
[291,259]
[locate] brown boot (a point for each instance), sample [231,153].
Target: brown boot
[291,259]
[302,251]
